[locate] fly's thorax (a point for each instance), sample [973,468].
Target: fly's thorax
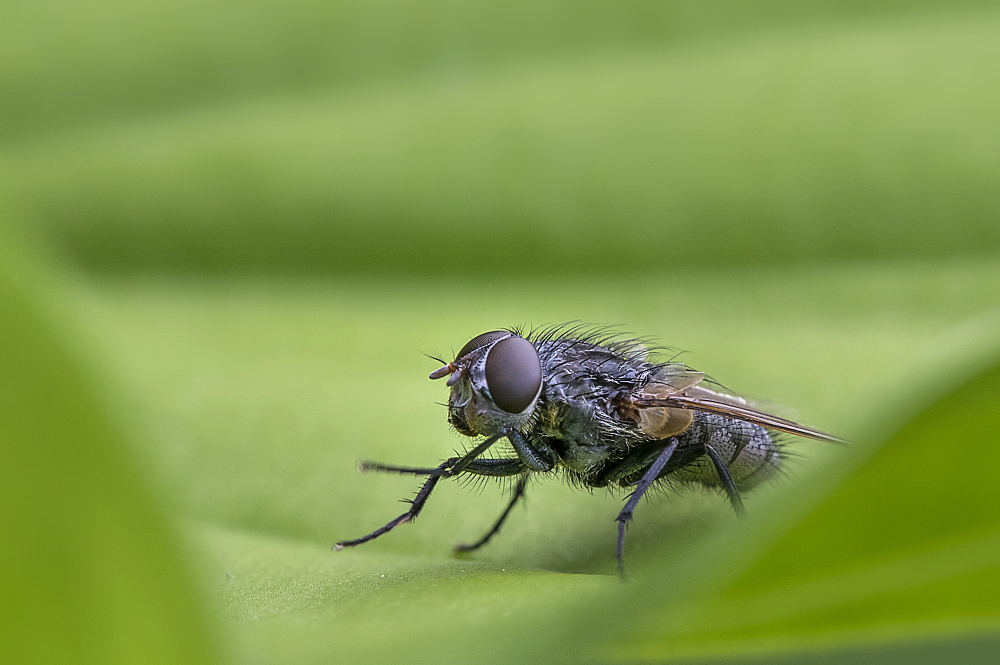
[498,386]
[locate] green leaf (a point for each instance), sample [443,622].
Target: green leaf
[70,64]
[91,572]
[836,142]
[261,395]
[795,200]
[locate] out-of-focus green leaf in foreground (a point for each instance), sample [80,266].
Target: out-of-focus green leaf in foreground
[88,571]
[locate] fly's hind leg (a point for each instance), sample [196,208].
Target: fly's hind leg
[518,494]
[625,516]
[727,481]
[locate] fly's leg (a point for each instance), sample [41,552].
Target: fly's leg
[540,458]
[620,471]
[625,516]
[366,466]
[448,468]
[727,481]
[416,505]
[518,493]
[497,468]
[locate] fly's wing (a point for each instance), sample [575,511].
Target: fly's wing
[678,377]
[698,398]
[661,422]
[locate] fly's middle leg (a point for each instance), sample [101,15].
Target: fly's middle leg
[518,494]
[625,516]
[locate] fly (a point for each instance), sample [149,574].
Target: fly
[599,410]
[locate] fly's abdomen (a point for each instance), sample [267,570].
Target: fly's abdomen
[748,451]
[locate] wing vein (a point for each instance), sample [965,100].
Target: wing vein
[740,412]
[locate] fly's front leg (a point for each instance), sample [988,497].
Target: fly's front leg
[448,468]
[416,505]
[535,457]
[365,467]
[625,516]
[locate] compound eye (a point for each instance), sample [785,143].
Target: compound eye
[513,374]
[479,341]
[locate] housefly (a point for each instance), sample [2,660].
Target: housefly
[599,410]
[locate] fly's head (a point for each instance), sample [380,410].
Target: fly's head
[495,382]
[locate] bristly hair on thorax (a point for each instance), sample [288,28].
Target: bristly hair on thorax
[609,337]
[615,340]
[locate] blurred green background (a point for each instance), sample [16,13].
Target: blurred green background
[231,230]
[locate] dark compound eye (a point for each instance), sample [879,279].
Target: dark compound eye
[479,341]
[513,374]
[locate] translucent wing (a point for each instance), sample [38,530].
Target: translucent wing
[658,399]
[679,377]
[659,421]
